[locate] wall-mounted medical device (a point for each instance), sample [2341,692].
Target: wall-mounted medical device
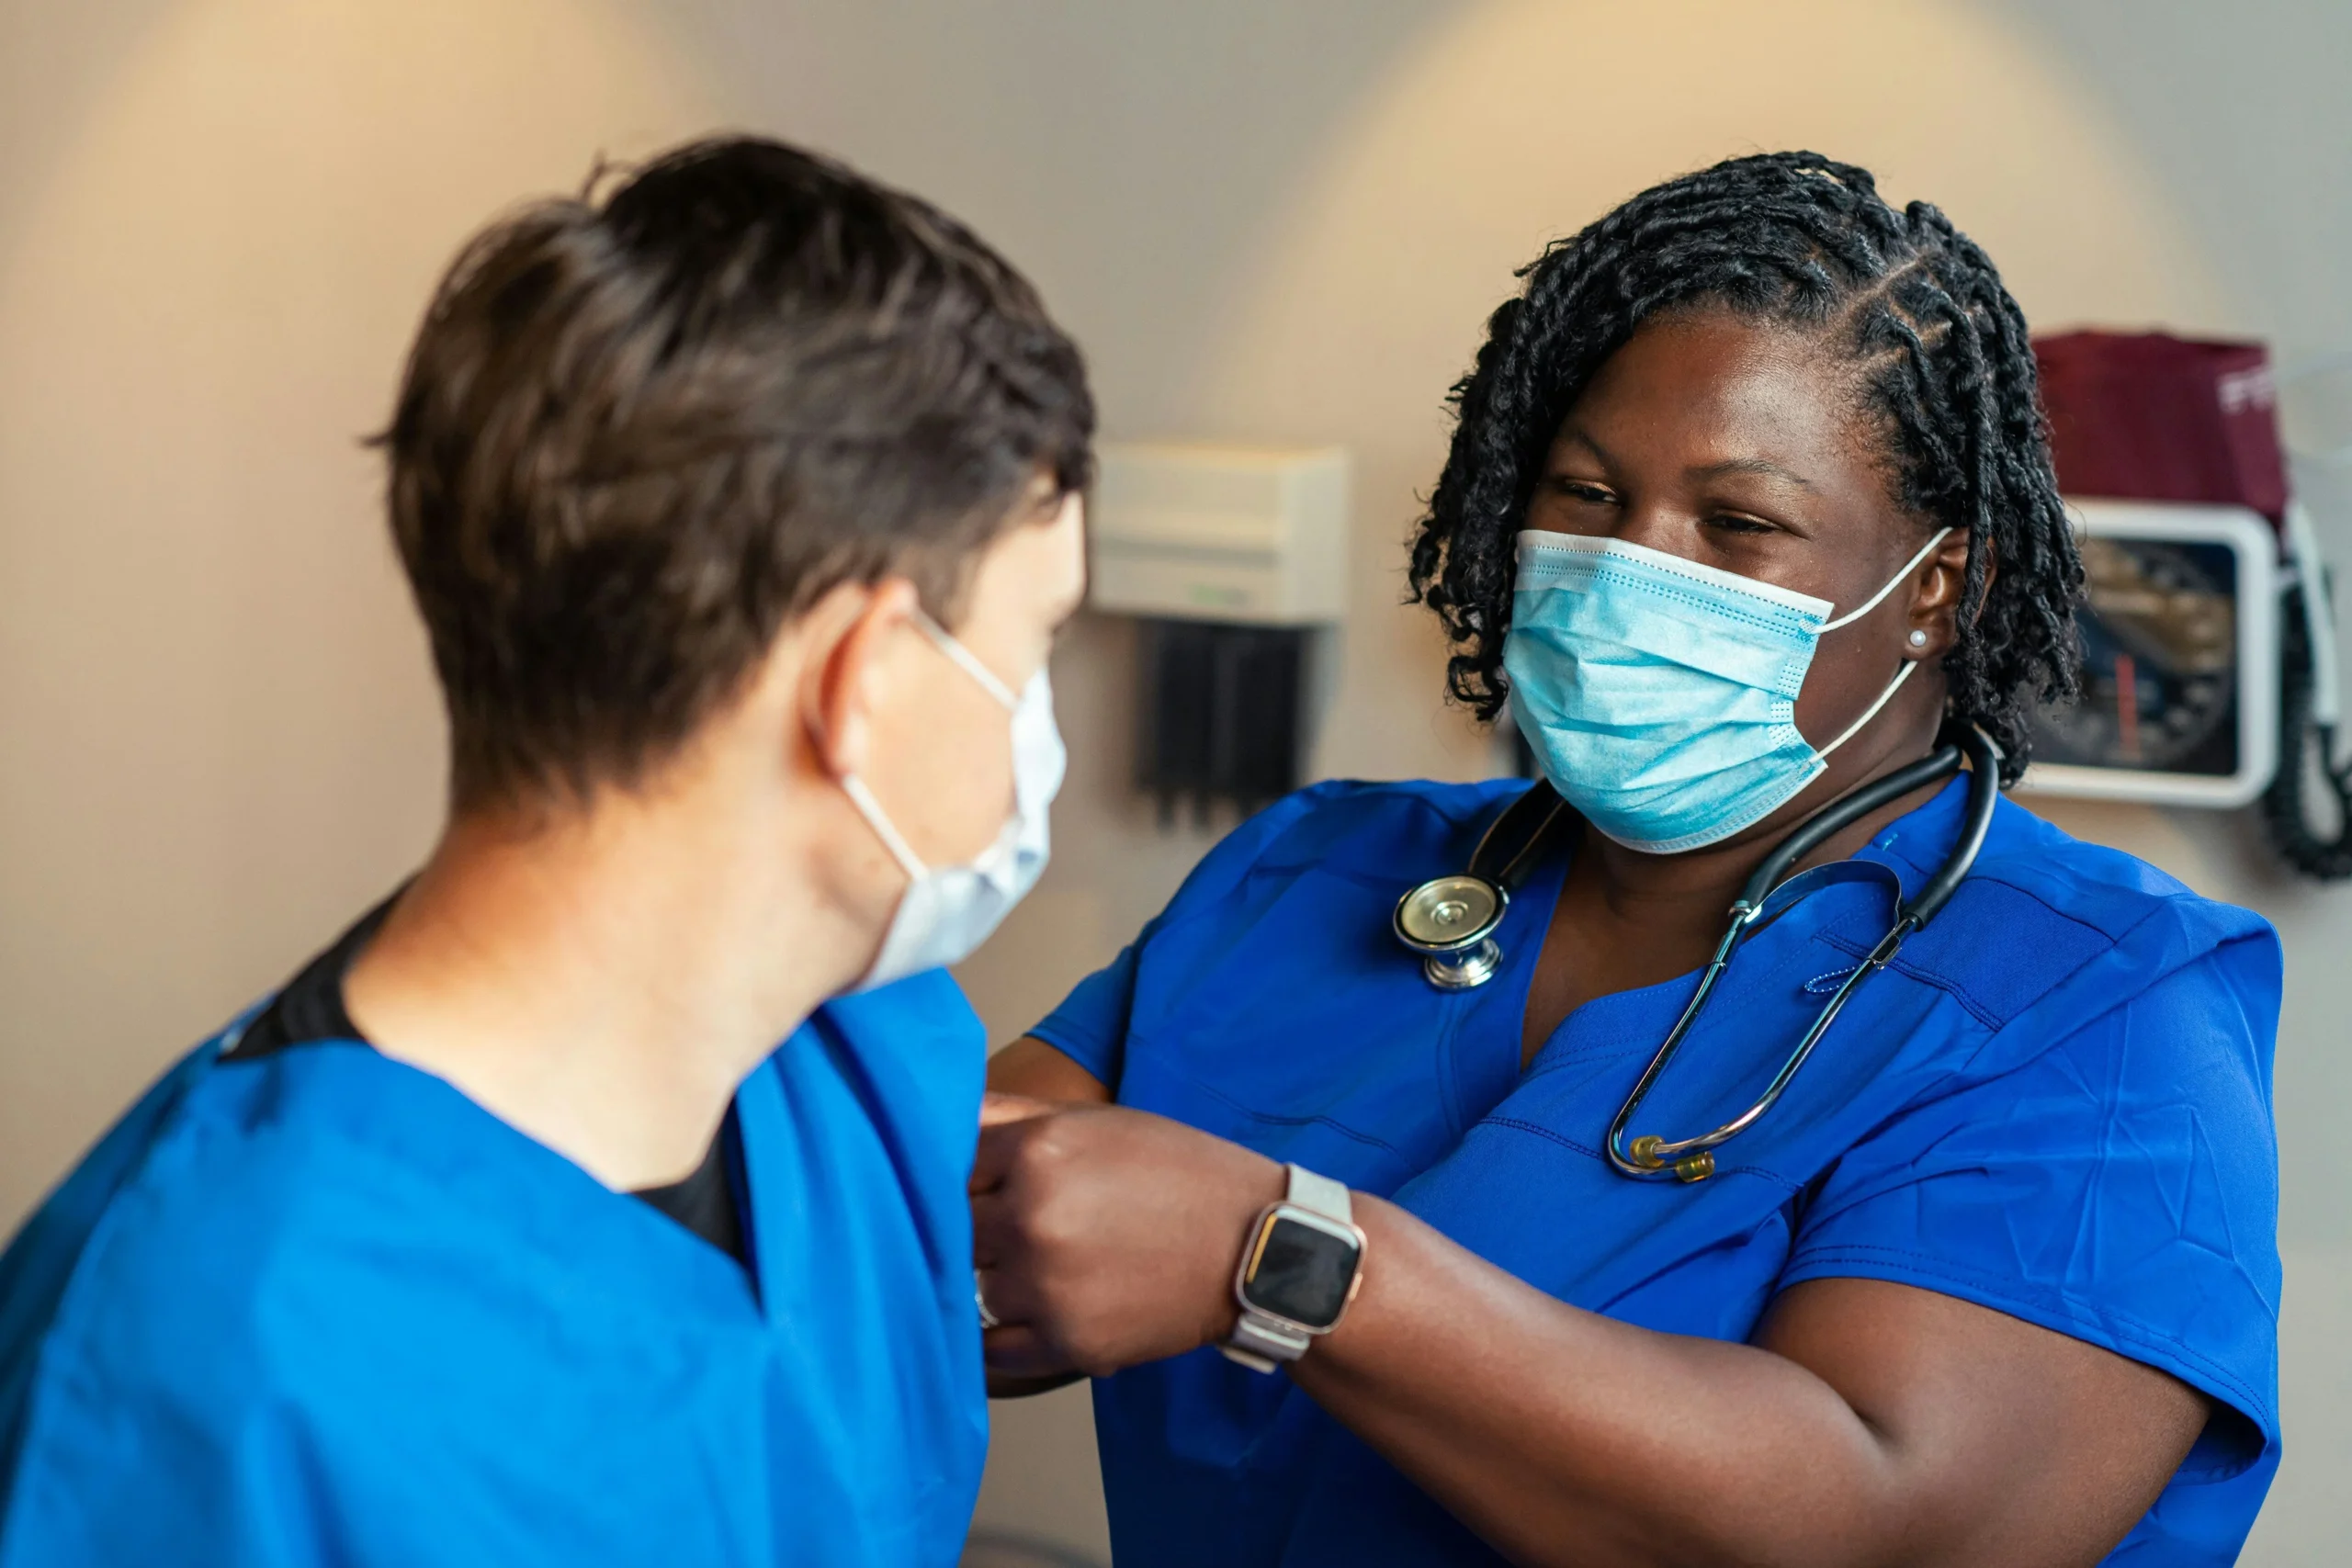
[1232,558]
[2179,700]
[2210,674]
[1252,536]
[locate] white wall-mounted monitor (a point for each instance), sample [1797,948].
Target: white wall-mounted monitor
[1254,536]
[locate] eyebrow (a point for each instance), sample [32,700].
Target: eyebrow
[1764,466]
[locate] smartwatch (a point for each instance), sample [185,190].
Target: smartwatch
[1300,1266]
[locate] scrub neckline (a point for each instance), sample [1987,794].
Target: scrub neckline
[1553,880]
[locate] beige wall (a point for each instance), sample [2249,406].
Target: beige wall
[218,731]
[1267,219]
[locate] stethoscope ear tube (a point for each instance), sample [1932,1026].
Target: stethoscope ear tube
[1843,812]
[1984,759]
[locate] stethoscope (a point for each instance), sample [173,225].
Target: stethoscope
[1450,921]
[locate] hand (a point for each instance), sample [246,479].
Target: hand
[1106,1236]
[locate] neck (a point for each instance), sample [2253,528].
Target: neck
[602,979]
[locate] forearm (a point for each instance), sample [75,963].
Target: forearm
[1869,1422]
[1566,1437]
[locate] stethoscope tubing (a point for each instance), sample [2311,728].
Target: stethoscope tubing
[1472,958]
[1651,1158]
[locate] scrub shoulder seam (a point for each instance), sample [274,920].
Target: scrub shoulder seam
[1274,1119]
[1949,984]
[1487,805]
[62,1340]
[1272,857]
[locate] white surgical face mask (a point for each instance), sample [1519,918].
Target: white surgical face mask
[948,911]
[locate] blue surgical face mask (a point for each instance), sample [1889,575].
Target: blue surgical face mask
[1660,694]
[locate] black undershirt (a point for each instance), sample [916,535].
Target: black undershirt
[310,1009]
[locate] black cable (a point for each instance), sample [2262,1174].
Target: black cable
[2285,804]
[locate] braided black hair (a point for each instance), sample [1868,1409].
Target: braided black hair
[1798,239]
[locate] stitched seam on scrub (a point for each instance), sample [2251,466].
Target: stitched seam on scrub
[2122,1326]
[1952,987]
[1267,863]
[58,1360]
[1270,1119]
[1944,983]
[1540,1131]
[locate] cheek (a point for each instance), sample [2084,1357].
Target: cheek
[1848,671]
[943,771]
[1833,694]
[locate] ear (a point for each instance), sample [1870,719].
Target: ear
[848,668]
[1937,589]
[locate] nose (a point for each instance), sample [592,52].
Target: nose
[1659,524]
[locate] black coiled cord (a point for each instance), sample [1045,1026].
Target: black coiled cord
[2285,804]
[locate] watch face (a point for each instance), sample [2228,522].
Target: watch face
[1300,1272]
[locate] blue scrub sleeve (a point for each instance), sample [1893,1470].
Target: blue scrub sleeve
[2119,1186]
[1091,1025]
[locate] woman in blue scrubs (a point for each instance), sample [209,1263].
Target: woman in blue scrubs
[1749,501]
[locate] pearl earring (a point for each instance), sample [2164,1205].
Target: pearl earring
[1918,638]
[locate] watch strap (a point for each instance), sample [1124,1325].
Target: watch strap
[1320,1195]
[1260,1344]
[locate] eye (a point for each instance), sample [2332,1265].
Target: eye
[1732,523]
[1581,490]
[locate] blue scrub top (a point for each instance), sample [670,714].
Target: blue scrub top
[2057,1104]
[319,1307]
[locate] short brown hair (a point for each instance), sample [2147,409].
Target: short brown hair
[638,434]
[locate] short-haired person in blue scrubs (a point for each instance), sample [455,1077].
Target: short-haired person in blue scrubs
[741,503]
[1749,510]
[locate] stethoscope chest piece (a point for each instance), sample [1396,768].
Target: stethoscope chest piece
[1451,922]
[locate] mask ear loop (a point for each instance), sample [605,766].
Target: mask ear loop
[1872,712]
[884,829]
[1909,665]
[1872,602]
[967,660]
